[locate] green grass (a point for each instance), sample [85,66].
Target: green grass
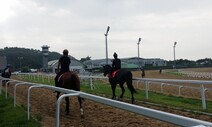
[158,98]
[175,72]
[104,89]
[11,116]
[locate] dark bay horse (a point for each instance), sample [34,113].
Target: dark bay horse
[6,75]
[70,80]
[120,78]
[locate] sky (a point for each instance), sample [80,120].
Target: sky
[80,25]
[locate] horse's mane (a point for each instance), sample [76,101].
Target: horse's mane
[108,66]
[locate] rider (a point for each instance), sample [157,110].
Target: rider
[6,71]
[63,65]
[116,64]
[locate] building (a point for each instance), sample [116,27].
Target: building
[154,62]
[45,52]
[130,63]
[99,63]
[76,65]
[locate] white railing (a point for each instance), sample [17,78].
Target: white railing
[204,75]
[199,83]
[152,113]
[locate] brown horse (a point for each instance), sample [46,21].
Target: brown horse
[70,80]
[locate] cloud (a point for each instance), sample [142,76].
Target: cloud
[79,25]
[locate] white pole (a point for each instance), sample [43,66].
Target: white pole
[203,97]
[108,28]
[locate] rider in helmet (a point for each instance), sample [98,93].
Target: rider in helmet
[116,64]
[63,65]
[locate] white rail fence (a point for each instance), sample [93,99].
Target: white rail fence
[199,84]
[152,113]
[204,75]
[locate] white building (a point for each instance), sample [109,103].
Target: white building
[75,65]
[155,62]
[133,63]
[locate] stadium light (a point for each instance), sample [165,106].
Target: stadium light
[139,40]
[108,28]
[175,43]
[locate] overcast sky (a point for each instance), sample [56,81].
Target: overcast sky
[80,25]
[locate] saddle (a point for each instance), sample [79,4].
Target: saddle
[114,73]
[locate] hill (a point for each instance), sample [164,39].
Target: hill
[25,58]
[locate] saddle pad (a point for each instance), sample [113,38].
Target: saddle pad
[58,80]
[114,73]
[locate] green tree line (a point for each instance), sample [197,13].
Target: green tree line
[25,58]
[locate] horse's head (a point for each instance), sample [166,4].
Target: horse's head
[107,69]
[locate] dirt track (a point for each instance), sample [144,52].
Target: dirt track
[43,103]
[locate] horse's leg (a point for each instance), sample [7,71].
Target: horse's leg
[113,86]
[123,90]
[67,105]
[132,92]
[58,94]
[132,98]
[130,87]
[80,103]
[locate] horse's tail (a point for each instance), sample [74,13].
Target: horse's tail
[130,84]
[76,81]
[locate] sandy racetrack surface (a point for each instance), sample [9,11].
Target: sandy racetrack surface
[43,103]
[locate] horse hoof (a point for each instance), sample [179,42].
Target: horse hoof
[120,99]
[82,117]
[114,98]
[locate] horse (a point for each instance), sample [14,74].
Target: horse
[70,80]
[6,75]
[121,76]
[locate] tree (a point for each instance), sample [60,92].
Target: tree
[22,57]
[86,58]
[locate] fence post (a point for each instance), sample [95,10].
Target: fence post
[146,89]
[161,87]
[180,90]
[58,106]
[91,83]
[148,85]
[28,98]
[6,88]
[15,92]
[202,90]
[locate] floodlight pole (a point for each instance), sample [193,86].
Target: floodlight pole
[174,54]
[139,40]
[108,28]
